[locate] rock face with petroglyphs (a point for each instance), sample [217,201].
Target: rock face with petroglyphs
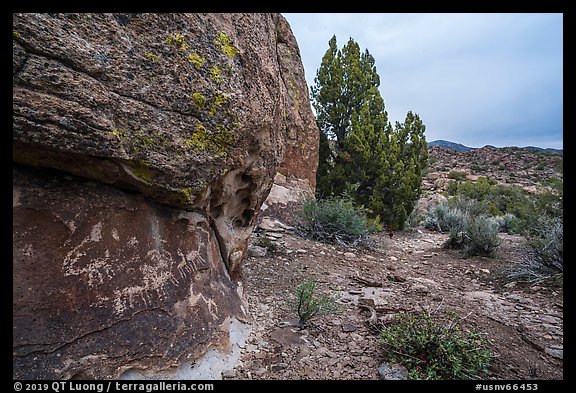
[144,146]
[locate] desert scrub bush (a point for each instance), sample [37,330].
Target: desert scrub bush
[309,304]
[442,218]
[435,218]
[469,206]
[335,220]
[476,189]
[457,223]
[481,236]
[544,252]
[430,349]
[415,218]
[506,222]
[457,175]
[264,242]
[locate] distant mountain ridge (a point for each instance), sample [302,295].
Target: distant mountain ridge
[463,149]
[450,145]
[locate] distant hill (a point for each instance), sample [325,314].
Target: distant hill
[547,150]
[463,149]
[450,145]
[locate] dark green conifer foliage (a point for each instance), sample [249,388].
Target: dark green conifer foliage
[361,154]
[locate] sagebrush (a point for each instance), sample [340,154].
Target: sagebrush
[544,257]
[481,236]
[335,220]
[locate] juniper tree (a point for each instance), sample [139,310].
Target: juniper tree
[359,148]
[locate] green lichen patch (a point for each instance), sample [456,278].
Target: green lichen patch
[151,57]
[225,44]
[134,141]
[196,59]
[142,171]
[187,194]
[178,41]
[199,100]
[216,73]
[213,142]
[16,35]
[219,100]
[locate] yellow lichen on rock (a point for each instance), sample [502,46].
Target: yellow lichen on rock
[225,44]
[196,59]
[178,41]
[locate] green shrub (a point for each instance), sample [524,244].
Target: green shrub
[309,304]
[544,256]
[452,188]
[432,350]
[415,218]
[336,220]
[506,222]
[435,218]
[443,218]
[264,242]
[547,243]
[457,175]
[469,206]
[481,236]
[478,189]
[457,225]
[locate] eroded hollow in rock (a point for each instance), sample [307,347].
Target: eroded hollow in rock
[233,208]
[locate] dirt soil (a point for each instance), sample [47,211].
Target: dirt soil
[402,273]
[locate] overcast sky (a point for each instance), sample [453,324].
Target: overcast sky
[475,79]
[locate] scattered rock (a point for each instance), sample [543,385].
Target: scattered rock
[286,337]
[261,371]
[348,327]
[511,285]
[228,374]
[393,372]
[256,251]
[550,319]
[555,352]
[396,278]
[270,225]
[278,366]
[349,255]
[419,288]
[393,258]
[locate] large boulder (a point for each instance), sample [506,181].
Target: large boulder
[162,134]
[295,181]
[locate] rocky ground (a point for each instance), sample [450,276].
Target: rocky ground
[407,272]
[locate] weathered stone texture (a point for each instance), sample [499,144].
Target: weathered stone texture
[172,128]
[105,280]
